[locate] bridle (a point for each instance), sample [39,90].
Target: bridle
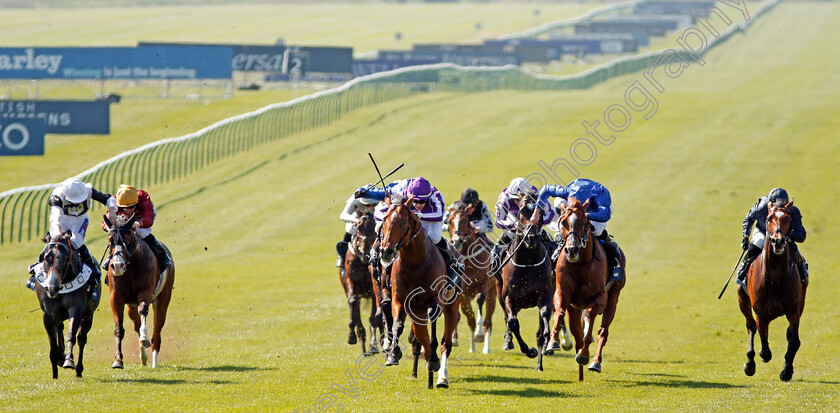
[778,230]
[468,235]
[355,245]
[411,220]
[582,239]
[55,258]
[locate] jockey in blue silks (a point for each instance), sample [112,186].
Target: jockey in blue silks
[428,205]
[507,217]
[598,212]
[758,215]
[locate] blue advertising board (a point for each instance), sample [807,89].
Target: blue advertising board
[152,62]
[21,137]
[367,67]
[62,116]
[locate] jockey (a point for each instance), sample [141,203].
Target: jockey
[477,211]
[507,216]
[758,214]
[132,201]
[598,212]
[354,209]
[428,205]
[69,204]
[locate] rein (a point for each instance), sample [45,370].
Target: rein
[399,244]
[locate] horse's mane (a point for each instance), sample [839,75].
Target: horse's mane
[398,200]
[458,206]
[575,203]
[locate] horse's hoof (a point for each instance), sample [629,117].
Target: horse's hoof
[548,352]
[442,384]
[532,353]
[391,361]
[455,342]
[478,338]
[787,373]
[553,345]
[581,359]
[68,364]
[507,345]
[433,365]
[117,365]
[373,350]
[351,339]
[145,343]
[766,356]
[749,368]
[595,366]
[567,344]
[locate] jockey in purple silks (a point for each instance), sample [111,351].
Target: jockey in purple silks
[507,217]
[428,205]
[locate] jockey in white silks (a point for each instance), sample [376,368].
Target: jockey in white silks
[354,209]
[69,204]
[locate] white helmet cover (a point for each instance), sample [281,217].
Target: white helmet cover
[519,186]
[75,191]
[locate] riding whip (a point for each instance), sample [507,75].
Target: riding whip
[730,275]
[381,178]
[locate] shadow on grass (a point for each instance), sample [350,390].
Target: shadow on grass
[518,380]
[225,368]
[528,392]
[680,383]
[150,380]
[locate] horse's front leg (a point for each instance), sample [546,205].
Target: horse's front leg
[143,331]
[589,315]
[450,323]
[353,304]
[117,307]
[604,331]
[745,306]
[374,324]
[793,345]
[489,309]
[513,326]
[56,353]
[87,323]
[395,352]
[543,334]
[466,309]
[73,324]
[762,326]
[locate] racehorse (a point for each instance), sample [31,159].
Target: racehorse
[774,290]
[357,282]
[420,288]
[62,290]
[477,280]
[525,280]
[581,273]
[136,280]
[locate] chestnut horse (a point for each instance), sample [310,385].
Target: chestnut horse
[136,280]
[419,286]
[476,277]
[526,280]
[582,274]
[62,290]
[774,290]
[357,282]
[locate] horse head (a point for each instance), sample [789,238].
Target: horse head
[399,227]
[530,222]
[122,242]
[460,229]
[61,262]
[575,228]
[778,226]
[364,237]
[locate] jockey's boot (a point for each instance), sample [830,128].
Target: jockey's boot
[30,284]
[95,273]
[499,252]
[613,258]
[800,262]
[752,252]
[341,249]
[160,252]
[550,246]
[453,267]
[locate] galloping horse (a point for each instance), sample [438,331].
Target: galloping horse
[136,280]
[357,282]
[581,273]
[526,280]
[774,290]
[62,290]
[477,280]
[419,286]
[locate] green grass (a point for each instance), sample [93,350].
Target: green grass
[258,321]
[366,26]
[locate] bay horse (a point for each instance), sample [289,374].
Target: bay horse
[525,280]
[476,277]
[419,283]
[581,278]
[137,281]
[62,290]
[357,282]
[775,290]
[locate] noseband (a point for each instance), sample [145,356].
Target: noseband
[416,231]
[583,239]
